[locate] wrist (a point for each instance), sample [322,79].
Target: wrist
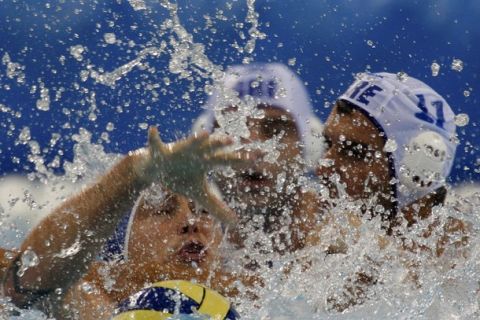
[138,164]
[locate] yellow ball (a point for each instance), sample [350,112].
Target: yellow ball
[166,298]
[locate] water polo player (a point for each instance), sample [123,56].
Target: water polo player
[269,195]
[70,239]
[391,145]
[394,138]
[169,238]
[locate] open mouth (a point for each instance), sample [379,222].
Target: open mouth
[192,251]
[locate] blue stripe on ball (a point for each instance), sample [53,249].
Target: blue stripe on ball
[159,299]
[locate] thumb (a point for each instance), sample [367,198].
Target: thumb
[217,207]
[155,144]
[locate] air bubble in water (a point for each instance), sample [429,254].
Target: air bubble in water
[457,65]
[110,126]
[461,119]
[370,43]
[435,67]
[390,146]
[110,38]
[466,93]
[143,125]
[292,61]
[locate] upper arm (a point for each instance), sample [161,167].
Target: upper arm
[87,299]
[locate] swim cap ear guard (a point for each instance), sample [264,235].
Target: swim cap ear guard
[417,122]
[423,162]
[270,84]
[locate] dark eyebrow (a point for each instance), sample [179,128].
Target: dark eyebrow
[170,203]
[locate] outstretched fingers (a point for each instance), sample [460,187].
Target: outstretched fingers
[215,143]
[217,207]
[198,139]
[155,144]
[235,159]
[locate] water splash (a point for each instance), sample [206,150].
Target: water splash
[302,285]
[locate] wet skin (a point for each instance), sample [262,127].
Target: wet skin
[355,153]
[255,188]
[176,234]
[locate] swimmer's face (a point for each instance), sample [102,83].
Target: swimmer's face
[174,234]
[264,183]
[355,155]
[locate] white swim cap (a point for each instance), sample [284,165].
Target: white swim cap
[419,130]
[271,84]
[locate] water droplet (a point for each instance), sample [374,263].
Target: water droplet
[28,260]
[24,135]
[462,119]
[370,43]
[326,162]
[137,4]
[390,145]
[281,93]
[86,287]
[457,65]
[9,255]
[435,67]
[110,126]
[208,89]
[143,125]
[110,38]
[466,93]
[402,76]
[77,52]
[292,61]
[43,103]
[379,209]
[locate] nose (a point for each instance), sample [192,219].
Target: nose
[190,225]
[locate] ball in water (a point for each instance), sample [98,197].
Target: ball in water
[166,298]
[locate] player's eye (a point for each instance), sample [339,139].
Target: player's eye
[169,206]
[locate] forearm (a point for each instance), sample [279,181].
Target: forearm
[67,240]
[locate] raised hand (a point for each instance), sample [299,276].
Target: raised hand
[182,167]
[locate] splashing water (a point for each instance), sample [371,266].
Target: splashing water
[309,283]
